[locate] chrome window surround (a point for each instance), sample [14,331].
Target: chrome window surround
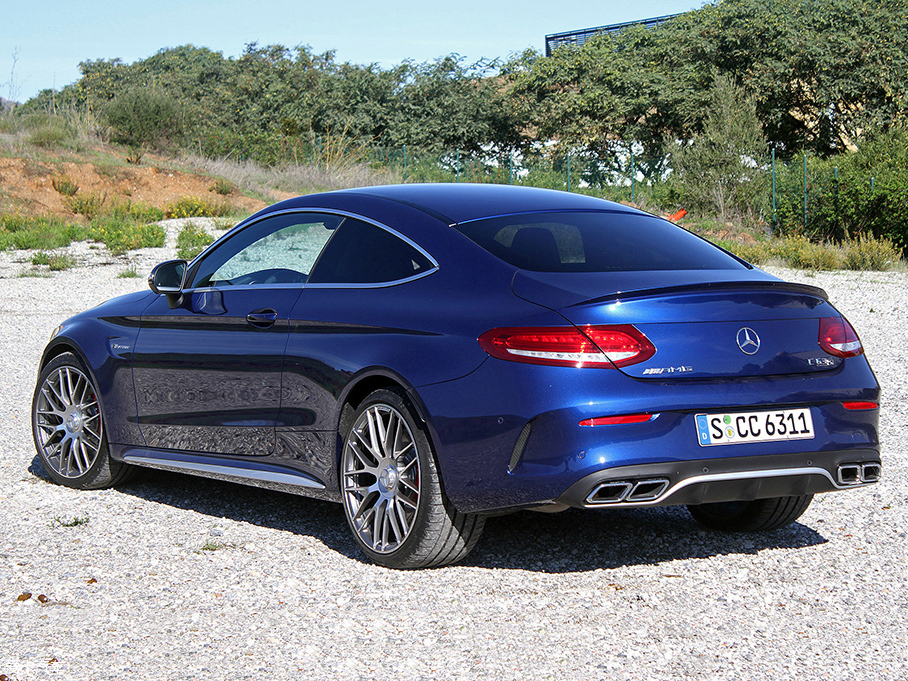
[328,211]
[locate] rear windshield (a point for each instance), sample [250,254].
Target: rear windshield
[595,242]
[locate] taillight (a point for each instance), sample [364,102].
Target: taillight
[838,338]
[617,420]
[591,346]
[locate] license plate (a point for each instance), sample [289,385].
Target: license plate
[754,426]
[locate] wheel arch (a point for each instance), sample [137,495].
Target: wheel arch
[59,346]
[363,385]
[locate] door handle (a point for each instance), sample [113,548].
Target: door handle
[262,319]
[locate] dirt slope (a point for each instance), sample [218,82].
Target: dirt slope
[26,186]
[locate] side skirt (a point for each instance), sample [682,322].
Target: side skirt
[247,472]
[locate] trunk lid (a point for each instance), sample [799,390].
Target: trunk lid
[704,324]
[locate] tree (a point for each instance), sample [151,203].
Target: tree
[142,118]
[720,171]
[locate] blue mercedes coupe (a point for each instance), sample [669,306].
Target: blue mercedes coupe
[428,355]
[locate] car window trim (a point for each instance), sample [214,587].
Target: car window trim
[322,211]
[375,223]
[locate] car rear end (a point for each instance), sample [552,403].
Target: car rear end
[708,383]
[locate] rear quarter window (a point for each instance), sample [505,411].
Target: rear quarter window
[595,242]
[362,253]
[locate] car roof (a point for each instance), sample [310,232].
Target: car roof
[462,202]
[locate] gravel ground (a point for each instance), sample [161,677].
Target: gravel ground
[173,577]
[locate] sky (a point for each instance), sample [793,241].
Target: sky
[41,44]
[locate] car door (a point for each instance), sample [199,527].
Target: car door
[208,371]
[338,326]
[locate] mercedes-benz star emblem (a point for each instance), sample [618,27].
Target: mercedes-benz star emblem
[748,341]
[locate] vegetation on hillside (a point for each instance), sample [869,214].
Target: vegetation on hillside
[691,114]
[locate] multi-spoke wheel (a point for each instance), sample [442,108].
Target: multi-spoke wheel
[758,515]
[69,428]
[392,495]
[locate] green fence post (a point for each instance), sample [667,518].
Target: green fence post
[835,195]
[633,173]
[774,218]
[511,168]
[458,166]
[871,183]
[569,170]
[405,163]
[805,191]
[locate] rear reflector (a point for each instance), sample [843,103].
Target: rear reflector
[857,406]
[617,420]
[592,346]
[838,338]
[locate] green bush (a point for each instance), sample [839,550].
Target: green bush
[799,252]
[89,205]
[121,234]
[222,187]
[756,253]
[55,262]
[142,118]
[867,253]
[194,207]
[53,134]
[22,232]
[65,185]
[191,241]
[141,212]
[854,194]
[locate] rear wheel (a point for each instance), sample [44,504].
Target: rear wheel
[391,490]
[68,428]
[751,516]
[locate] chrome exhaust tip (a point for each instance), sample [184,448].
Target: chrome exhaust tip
[871,472]
[858,473]
[609,493]
[647,490]
[849,474]
[628,491]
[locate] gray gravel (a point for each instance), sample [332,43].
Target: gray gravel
[175,577]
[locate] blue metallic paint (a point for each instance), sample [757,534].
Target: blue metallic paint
[422,335]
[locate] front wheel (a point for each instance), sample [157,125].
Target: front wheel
[68,428]
[391,490]
[758,515]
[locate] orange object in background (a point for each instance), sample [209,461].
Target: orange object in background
[677,216]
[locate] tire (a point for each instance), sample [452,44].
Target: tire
[392,493]
[68,428]
[751,516]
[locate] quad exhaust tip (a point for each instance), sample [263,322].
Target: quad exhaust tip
[628,491]
[858,473]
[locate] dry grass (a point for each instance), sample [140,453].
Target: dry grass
[291,179]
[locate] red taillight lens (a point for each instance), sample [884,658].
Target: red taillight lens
[838,338]
[617,420]
[623,344]
[860,406]
[593,346]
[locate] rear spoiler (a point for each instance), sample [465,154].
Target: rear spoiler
[779,286]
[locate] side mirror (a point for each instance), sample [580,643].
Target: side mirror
[167,278]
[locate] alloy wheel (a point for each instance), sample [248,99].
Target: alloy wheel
[68,425]
[381,478]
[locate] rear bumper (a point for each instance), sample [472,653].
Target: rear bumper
[719,480]
[515,441]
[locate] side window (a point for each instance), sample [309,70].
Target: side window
[277,250]
[361,253]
